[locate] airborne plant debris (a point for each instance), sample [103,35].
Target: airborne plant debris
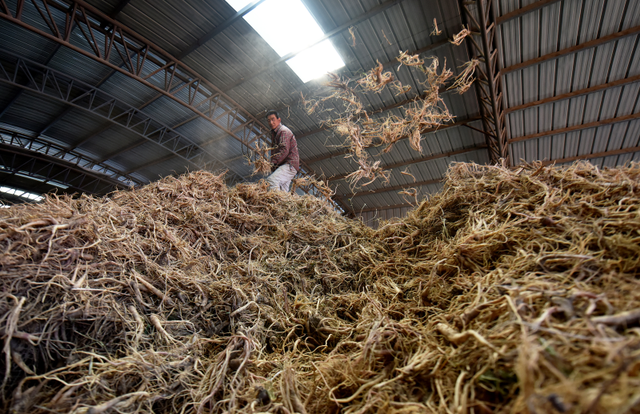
[510,291]
[361,131]
[261,160]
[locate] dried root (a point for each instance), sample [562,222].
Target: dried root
[465,79]
[460,36]
[435,31]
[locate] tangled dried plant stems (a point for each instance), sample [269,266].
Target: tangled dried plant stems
[376,79]
[369,171]
[352,32]
[410,192]
[321,186]
[465,79]
[362,131]
[409,60]
[510,291]
[460,36]
[261,163]
[408,174]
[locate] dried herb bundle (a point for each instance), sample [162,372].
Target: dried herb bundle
[361,131]
[510,291]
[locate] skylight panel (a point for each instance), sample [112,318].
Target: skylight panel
[288,27]
[315,61]
[20,193]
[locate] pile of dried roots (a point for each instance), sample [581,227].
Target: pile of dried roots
[510,291]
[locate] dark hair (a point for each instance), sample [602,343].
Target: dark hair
[272,112]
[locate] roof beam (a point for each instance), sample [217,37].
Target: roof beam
[21,91]
[524,10]
[489,81]
[621,151]
[417,161]
[619,82]
[116,11]
[65,89]
[576,127]
[201,97]
[125,42]
[218,29]
[377,9]
[35,144]
[19,160]
[573,49]
[190,49]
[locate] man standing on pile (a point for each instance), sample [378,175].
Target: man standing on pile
[285,161]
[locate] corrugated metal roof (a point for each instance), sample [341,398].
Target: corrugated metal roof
[559,26]
[242,65]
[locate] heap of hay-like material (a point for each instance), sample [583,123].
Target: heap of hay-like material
[510,291]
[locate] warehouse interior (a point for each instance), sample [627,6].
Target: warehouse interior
[96,94]
[463,236]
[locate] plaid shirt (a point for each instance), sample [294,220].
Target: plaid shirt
[285,148]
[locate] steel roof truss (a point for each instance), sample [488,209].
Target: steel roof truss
[124,117]
[77,10]
[488,85]
[47,148]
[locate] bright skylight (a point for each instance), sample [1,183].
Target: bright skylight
[20,193]
[288,27]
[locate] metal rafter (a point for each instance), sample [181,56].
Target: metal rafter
[588,125]
[482,45]
[621,151]
[20,161]
[524,10]
[48,82]
[49,149]
[573,49]
[171,78]
[21,91]
[189,49]
[569,95]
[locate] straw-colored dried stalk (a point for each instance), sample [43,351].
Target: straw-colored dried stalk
[510,291]
[375,80]
[261,161]
[361,131]
[410,192]
[369,171]
[465,79]
[460,36]
[407,173]
[435,31]
[321,186]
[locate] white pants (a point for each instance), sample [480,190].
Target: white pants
[281,177]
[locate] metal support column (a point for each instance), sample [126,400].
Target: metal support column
[482,45]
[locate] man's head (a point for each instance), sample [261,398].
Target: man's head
[273,119]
